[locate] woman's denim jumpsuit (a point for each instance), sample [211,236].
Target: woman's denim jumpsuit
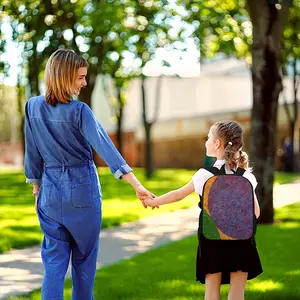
[58,157]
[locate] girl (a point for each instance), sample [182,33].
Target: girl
[220,262]
[59,133]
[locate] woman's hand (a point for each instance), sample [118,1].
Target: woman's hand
[35,193]
[36,198]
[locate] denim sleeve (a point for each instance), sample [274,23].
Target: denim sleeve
[33,162]
[97,137]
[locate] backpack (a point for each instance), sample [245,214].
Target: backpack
[227,206]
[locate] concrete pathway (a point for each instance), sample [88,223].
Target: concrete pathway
[21,271]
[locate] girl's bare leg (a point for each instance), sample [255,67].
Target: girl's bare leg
[212,286]
[238,282]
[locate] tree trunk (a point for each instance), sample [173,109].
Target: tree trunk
[158,98]
[33,74]
[297,145]
[120,120]
[147,127]
[268,23]
[289,155]
[295,137]
[292,154]
[20,96]
[149,165]
[292,157]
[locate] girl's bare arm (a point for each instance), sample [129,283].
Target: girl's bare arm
[172,196]
[256,207]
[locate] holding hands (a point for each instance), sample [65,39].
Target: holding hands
[169,197]
[144,195]
[150,202]
[140,191]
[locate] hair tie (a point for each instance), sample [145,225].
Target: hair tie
[230,143]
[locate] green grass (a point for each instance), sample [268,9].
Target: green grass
[282,178]
[19,226]
[168,272]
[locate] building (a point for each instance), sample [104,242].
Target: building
[187,109]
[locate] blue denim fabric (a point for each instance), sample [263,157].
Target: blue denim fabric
[58,157]
[69,211]
[63,135]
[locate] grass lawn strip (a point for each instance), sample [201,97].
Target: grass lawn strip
[19,226]
[168,272]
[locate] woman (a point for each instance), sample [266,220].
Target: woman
[59,134]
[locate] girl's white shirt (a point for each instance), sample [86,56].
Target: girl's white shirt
[202,175]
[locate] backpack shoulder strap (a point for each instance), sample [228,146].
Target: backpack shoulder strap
[222,170]
[239,172]
[217,171]
[213,170]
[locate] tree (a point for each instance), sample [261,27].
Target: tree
[102,26]
[21,105]
[291,58]
[220,27]
[152,25]
[89,28]
[39,27]
[93,29]
[114,65]
[37,34]
[148,123]
[224,26]
[117,99]
[268,20]
[4,66]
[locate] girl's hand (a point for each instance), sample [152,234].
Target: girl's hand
[141,192]
[149,202]
[144,194]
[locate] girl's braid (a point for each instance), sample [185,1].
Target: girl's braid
[231,134]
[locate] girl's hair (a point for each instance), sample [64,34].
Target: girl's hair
[60,75]
[231,134]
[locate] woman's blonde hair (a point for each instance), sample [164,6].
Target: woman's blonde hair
[231,134]
[60,75]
